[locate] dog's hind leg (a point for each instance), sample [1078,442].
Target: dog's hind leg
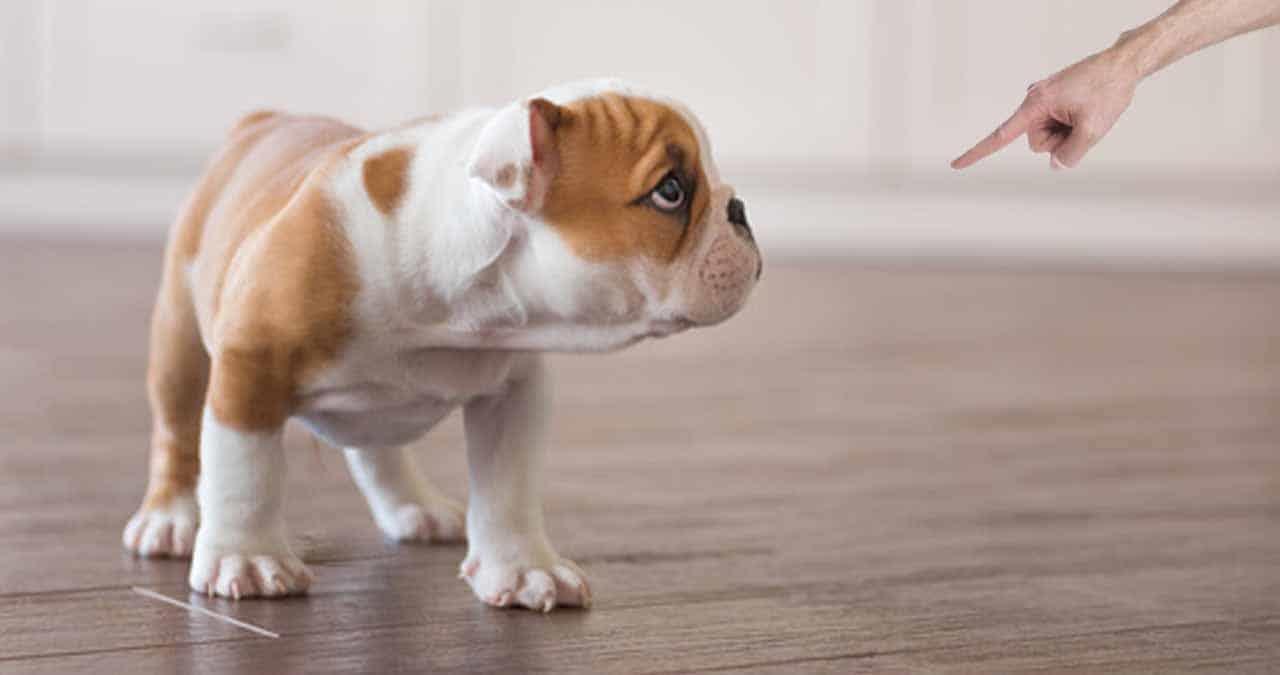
[405,505]
[177,378]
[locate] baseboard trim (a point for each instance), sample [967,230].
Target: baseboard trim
[820,214]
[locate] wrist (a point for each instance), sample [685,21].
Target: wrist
[1137,52]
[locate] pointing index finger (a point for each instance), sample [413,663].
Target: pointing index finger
[1005,134]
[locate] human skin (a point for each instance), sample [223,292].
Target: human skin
[1067,113]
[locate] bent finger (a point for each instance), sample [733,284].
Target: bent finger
[1073,149]
[1039,138]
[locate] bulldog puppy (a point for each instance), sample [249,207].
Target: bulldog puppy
[368,284]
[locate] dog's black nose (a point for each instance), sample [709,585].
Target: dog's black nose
[738,218]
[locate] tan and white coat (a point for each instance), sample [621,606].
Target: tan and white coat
[368,284]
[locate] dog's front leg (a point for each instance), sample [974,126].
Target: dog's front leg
[241,549]
[510,561]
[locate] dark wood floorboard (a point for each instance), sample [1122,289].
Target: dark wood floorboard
[888,469]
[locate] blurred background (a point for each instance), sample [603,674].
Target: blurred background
[834,118]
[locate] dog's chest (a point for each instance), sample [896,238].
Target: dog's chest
[376,398]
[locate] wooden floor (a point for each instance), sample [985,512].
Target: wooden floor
[872,469]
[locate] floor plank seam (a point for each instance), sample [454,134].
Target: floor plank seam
[112,650]
[680,556]
[62,591]
[206,612]
[783,662]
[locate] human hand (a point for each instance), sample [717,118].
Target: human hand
[1066,113]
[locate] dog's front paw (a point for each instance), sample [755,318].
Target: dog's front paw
[539,581]
[437,520]
[163,528]
[269,570]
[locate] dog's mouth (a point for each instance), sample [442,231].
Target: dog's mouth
[664,327]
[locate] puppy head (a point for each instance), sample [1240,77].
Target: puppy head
[625,186]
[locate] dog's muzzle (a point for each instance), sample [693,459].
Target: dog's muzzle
[725,266]
[737,216]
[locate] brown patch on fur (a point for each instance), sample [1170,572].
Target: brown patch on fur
[273,160]
[270,283]
[386,177]
[613,150]
[177,376]
[284,314]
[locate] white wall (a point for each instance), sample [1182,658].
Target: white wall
[836,116]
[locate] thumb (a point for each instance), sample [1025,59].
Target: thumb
[1081,139]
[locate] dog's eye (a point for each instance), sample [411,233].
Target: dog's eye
[669,195]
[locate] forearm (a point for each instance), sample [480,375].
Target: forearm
[1189,26]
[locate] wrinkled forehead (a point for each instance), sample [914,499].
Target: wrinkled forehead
[577,91]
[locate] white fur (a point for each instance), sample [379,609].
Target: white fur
[241,548]
[405,505]
[503,144]
[511,561]
[164,530]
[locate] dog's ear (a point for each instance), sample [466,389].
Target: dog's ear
[518,155]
